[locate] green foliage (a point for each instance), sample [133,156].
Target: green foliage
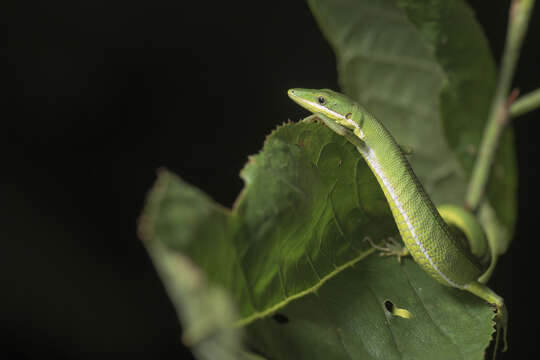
[309,202]
[293,244]
[424,69]
[348,318]
[206,310]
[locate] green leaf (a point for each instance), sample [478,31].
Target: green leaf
[294,233]
[424,69]
[299,225]
[309,202]
[206,311]
[348,318]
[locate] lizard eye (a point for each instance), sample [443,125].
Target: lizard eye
[321,100]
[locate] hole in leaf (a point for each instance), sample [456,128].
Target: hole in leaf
[395,311]
[280,318]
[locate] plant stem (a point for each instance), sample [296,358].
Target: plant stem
[525,103]
[520,11]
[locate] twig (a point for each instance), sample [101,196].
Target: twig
[526,103]
[520,11]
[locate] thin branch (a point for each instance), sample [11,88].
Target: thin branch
[520,11]
[526,103]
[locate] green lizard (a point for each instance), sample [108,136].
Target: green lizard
[433,243]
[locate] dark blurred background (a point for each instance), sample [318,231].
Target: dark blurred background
[99,94]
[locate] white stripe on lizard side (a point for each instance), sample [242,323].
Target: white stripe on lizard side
[371,158]
[330,113]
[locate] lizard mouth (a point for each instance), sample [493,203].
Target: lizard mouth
[302,97]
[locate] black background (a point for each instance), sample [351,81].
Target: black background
[98,94]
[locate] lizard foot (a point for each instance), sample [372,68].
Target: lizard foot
[390,247]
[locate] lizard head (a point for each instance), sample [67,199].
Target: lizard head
[333,105]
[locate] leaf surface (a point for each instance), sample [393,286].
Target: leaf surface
[291,253]
[308,204]
[348,318]
[425,70]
